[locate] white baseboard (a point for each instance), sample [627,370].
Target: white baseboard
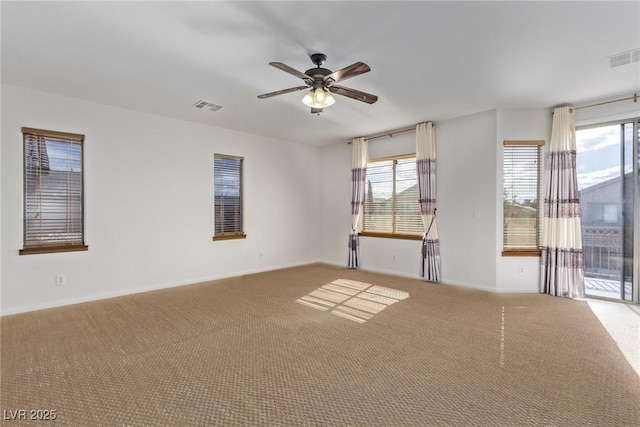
[417,277]
[192,281]
[155,287]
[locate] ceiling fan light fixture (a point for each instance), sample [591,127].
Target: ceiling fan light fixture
[318,98]
[329,100]
[308,99]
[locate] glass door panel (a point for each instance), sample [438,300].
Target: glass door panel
[628,211]
[606,171]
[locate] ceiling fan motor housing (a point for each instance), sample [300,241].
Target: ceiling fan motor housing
[317,74]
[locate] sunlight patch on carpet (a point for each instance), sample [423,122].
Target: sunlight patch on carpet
[353,300]
[622,322]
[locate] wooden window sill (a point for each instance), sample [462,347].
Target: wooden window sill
[53,249]
[229,236]
[522,252]
[405,236]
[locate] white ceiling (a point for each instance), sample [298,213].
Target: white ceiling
[429,60]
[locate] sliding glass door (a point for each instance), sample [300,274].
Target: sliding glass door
[607,165]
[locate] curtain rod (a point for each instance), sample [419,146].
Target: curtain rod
[391,134]
[634,97]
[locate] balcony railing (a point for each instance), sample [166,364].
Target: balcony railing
[604,262]
[602,249]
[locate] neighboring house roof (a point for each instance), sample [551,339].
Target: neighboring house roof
[609,182]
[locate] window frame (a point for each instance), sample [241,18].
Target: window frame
[526,251]
[235,234]
[393,234]
[56,246]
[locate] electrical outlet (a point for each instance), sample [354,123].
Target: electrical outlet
[521,270]
[60,279]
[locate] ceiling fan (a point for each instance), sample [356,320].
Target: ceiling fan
[322,83]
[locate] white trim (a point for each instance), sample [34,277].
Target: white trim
[416,276]
[166,285]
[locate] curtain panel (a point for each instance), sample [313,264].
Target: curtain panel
[359,156]
[426,171]
[562,263]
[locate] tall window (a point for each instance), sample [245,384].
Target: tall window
[228,210]
[53,192]
[522,175]
[391,206]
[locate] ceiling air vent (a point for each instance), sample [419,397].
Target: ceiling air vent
[207,105]
[624,58]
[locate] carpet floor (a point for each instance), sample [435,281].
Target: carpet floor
[316,345]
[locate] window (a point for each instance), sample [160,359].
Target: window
[391,206]
[600,213]
[228,211]
[522,174]
[53,192]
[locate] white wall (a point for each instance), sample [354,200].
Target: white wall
[466,199]
[149,203]
[1,212]
[466,152]
[335,202]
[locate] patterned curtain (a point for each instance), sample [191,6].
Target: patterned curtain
[360,156]
[426,170]
[562,261]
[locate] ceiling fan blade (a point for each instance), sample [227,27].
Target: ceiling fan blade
[352,93]
[280,92]
[347,72]
[292,71]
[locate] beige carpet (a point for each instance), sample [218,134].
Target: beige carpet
[244,351]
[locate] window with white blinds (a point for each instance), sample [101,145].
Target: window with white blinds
[522,176]
[53,192]
[228,209]
[391,198]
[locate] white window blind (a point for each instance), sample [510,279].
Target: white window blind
[391,197]
[228,209]
[522,175]
[53,191]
